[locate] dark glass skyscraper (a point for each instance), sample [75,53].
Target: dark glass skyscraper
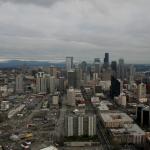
[106,60]
[114,68]
[115,87]
[72,78]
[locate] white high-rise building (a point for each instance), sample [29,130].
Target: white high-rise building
[141,90]
[41,82]
[69,63]
[91,125]
[70,126]
[80,126]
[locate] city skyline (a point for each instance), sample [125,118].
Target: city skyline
[53,29]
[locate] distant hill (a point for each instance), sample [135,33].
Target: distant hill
[19,63]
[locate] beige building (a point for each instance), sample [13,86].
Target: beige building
[115,119]
[132,134]
[71,97]
[141,90]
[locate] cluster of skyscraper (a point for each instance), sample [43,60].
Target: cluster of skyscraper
[78,75]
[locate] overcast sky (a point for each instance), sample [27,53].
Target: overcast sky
[85,29]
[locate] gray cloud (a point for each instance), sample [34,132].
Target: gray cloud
[35,2]
[53,29]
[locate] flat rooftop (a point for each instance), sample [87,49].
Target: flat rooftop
[104,105]
[50,148]
[115,117]
[132,129]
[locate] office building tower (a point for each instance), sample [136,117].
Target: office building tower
[78,75]
[19,83]
[115,87]
[52,84]
[91,125]
[106,60]
[106,75]
[143,115]
[114,68]
[71,97]
[83,66]
[80,125]
[121,69]
[131,73]
[72,78]
[52,70]
[95,76]
[41,82]
[97,66]
[141,90]
[69,126]
[69,63]
[139,112]
[61,83]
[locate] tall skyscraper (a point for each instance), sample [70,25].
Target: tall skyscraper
[78,75]
[114,68]
[97,65]
[41,82]
[71,97]
[106,60]
[69,126]
[52,84]
[19,83]
[115,88]
[121,69]
[69,63]
[72,78]
[131,73]
[61,83]
[141,90]
[83,67]
[52,70]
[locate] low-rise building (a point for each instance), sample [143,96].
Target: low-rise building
[4,105]
[104,106]
[50,148]
[131,134]
[115,119]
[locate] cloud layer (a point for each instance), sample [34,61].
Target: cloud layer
[53,29]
